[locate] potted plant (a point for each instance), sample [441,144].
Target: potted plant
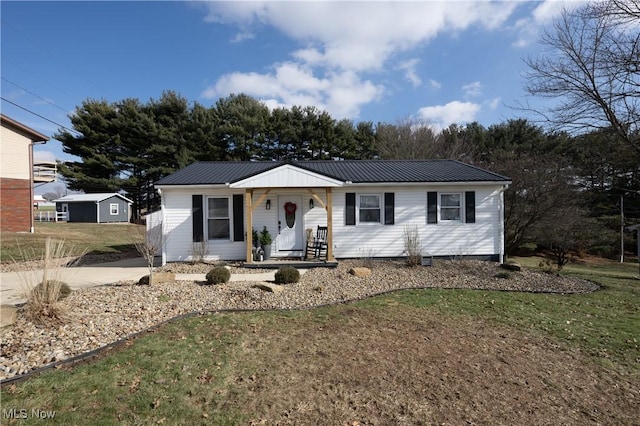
[255,238]
[265,242]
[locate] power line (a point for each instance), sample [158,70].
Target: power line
[36,95]
[44,118]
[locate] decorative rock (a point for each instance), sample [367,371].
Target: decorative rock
[103,314]
[272,288]
[511,265]
[7,315]
[360,272]
[164,278]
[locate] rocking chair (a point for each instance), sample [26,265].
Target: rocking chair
[317,246]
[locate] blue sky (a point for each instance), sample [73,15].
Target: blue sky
[437,62]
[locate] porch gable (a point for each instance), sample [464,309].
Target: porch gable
[287,176]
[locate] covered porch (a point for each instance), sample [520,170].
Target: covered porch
[293,193]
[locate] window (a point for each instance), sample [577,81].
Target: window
[218,218]
[448,207]
[114,209]
[369,209]
[451,207]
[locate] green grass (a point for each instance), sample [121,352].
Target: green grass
[88,238]
[604,324]
[184,373]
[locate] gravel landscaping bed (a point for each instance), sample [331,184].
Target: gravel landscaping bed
[101,315]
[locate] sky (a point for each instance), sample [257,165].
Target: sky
[437,62]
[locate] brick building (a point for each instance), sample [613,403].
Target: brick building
[16,175]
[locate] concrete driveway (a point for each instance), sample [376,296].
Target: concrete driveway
[13,284]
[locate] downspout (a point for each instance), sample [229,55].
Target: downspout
[32,227]
[502,227]
[162,222]
[98,211]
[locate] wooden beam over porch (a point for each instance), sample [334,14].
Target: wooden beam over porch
[248,196]
[329,209]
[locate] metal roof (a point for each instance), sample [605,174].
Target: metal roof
[354,171]
[96,198]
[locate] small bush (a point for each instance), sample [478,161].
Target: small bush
[287,275]
[218,275]
[504,275]
[549,267]
[412,245]
[53,288]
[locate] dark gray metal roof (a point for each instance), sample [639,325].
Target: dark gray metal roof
[355,171]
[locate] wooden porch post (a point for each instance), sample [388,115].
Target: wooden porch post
[248,195]
[329,226]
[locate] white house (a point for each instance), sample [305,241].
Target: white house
[457,208]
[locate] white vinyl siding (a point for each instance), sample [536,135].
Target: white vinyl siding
[14,161]
[368,239]
[178,228]
[480,238]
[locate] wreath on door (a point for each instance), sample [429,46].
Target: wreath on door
[290,213]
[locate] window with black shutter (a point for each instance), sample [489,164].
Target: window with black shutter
[238,217]
[432,207]
[389,207]
[197,218]
[350,208]
[470,206]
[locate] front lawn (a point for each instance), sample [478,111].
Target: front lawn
[90,238]
[412,357]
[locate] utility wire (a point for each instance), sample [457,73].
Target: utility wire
[37,96]
[44,118]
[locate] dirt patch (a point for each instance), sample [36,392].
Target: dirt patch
[377,366]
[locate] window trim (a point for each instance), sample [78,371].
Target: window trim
[111,210]
[460,207]
[380,209]
[228,217]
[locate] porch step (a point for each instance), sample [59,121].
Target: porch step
[298,264]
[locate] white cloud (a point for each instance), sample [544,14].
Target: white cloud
[359,35]
[340,93]
[409,67]
[545,12]
[436,85]
[494,103]
[454,112]
[472,89]
[339,41]
[40,155]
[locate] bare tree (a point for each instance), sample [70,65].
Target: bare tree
[56,192]
[539,192]
[591,66]
[149,244]
[568,231]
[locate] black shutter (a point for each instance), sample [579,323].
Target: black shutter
[389,204]
[350,209]
[197,218]
[238,218]
[432,207]
[470,206]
